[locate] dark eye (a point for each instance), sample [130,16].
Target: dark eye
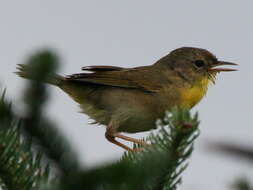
[199,63]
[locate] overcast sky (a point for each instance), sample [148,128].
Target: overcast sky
[133,33]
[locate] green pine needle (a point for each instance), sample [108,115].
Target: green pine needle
[156,167]
[20,167]
[174,139]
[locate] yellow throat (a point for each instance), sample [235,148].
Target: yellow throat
[191,96]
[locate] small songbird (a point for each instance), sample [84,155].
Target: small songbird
[132,99]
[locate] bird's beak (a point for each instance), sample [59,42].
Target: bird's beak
[215,69]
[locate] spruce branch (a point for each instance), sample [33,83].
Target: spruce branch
[20,167]
[242,184]
[40,67]
[157,167]
[176,135]
[6,115]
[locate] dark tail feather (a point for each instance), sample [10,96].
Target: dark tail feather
[23,71]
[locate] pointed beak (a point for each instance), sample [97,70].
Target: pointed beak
[219,69]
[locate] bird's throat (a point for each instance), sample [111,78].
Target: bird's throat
[190,96]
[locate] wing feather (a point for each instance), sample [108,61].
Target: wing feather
[135,78]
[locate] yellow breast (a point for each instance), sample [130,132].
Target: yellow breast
[192,95]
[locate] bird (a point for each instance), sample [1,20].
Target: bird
[130,100]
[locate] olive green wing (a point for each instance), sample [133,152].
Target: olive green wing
[134,78]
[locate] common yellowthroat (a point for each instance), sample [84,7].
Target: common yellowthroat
[132,99]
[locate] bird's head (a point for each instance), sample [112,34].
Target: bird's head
[194,63]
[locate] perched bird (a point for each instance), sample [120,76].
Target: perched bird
[132,99]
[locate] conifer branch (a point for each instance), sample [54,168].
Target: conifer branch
[175,138]
[242,184]
[157,167]
[35,125]
[20,167]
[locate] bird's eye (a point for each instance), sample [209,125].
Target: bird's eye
[199,63]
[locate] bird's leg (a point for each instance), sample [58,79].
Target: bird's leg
[136,141]
[111,134]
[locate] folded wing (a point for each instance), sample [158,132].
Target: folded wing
[135,78]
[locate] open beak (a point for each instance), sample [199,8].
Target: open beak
[219,69]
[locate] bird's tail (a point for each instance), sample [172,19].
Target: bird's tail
[24,72]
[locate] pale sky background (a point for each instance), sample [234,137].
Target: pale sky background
[133,33]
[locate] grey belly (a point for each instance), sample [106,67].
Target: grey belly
[131,110]
[135,124]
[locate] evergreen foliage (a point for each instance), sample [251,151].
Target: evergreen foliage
[174,143]
[20,167]
[242,184]
[35,124]
[156,167]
